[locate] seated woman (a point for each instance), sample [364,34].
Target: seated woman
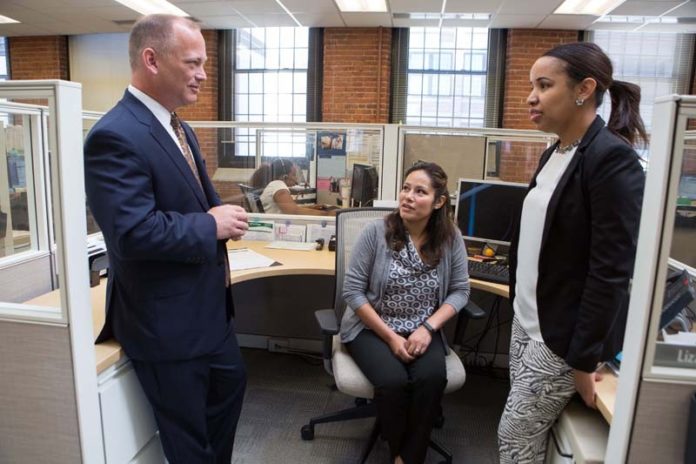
[275,180]
[407,277]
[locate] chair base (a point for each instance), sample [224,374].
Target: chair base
[361,411]
[437,447]
[365,409]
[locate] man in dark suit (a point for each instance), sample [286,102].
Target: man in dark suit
[168,296]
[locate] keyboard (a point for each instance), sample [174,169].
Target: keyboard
[490,272]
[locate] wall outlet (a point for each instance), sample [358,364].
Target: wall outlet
[278,345]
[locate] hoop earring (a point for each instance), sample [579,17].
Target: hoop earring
[579,101]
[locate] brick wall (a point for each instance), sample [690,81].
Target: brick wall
[524,46]
[357,65]
[44,57]
[519,160]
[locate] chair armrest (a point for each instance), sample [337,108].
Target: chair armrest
[473,311]
[329,327]
[327,321]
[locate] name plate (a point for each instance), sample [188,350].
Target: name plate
[671,355]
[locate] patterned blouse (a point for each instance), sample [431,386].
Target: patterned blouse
[411,293]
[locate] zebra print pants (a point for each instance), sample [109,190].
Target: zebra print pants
[541,384]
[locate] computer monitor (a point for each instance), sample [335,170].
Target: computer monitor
[487,210]
[364,185]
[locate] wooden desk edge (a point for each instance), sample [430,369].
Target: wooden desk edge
[606,394]
[490,287]
[237,277]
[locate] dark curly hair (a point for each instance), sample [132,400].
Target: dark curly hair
[440,228]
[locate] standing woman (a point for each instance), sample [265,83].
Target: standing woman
[407,277]
[574,251]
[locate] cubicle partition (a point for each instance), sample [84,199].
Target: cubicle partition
[26,266]
[502,154]
[47,375]
[323,152]
[657,380]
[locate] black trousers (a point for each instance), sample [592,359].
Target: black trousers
[407,395]
[197,403]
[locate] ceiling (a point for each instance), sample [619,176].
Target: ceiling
[71,17]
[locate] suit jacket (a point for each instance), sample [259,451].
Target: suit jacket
[166,295]
[588,249]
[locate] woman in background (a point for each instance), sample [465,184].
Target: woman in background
[276,179]
[407,277]
[574,251]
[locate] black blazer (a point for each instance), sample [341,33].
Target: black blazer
[166,296]
[588,249]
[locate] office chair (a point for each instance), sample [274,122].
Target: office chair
[251,199]
[337,360]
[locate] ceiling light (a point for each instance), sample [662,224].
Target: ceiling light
[379,6]
[448,16]
[147,7]
[288,12]
[6,20]
[622,19]
[588,7]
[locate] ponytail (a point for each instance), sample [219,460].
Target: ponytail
[586,59]
[625,120]
[261,177]
[268,172]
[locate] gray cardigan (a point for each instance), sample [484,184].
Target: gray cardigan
[367,275]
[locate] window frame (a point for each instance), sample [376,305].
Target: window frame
[457,52]
[230,70]
[680,78]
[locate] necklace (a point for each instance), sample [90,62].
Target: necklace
[563,149]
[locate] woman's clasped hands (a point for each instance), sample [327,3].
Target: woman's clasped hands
[408,349]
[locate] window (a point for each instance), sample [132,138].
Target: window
[270,85]
[4,75]
[660,63]
[4,67]
[447,76]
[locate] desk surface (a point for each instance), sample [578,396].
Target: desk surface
[293,263]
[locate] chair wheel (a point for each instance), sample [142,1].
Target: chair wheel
[307,432]
[439,422]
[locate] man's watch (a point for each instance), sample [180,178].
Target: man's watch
[428,327]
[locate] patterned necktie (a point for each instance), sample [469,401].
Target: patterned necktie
[188,156]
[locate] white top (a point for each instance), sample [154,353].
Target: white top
[160,112]
[531,229]
[269,204]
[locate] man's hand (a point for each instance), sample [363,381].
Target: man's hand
[585,385]
[231,221]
